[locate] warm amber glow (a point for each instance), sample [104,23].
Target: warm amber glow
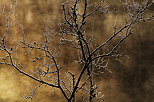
[130,80]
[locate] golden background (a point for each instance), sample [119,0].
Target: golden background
[131,80]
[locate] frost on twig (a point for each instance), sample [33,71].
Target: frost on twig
[73,34]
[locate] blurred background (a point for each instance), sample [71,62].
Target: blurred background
[132,77]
